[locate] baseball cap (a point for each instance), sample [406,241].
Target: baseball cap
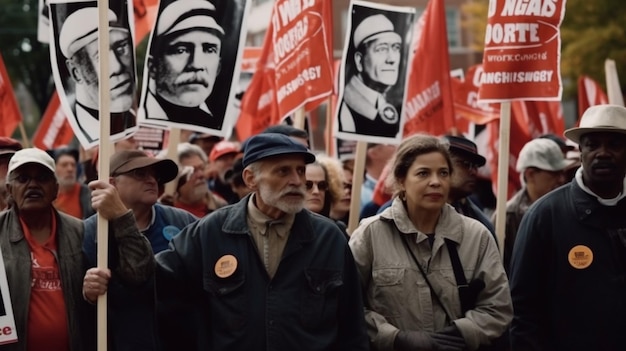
[541,153]
[599,118]
[266,145]
[185,15]
[465,148]
[222,148]
[372,28]
[127,160]
[81,28]
[197,136]
[8,146]
[30,155]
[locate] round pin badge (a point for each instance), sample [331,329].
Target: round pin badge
[169,231]
[225,266]
[389,114]
[580,257]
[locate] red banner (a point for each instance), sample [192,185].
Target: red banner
[301,33]
[250,60]
[54,130]
[10,116]
[429,107]
[590,93]
[522,51]
[465,95]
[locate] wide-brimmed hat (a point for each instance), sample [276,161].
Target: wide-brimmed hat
[266,145]
[127,160]
[599,118]
[466,149]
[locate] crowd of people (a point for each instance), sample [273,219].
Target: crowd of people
[251,250]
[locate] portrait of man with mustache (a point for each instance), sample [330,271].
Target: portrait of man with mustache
[78,44]
[183,64]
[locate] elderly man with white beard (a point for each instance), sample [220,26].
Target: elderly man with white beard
[268,273]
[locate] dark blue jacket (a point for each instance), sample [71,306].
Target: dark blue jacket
[132,309]
[568,277]
[313,302]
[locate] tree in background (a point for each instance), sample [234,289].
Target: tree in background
[592,31]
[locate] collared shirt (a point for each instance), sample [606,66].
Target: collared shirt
[270,235]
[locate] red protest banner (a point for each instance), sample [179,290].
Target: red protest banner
[590,93]
[429,107]
[301,33]
[522,51]
[54,130]
[465,96]
[10,116]
[250,60]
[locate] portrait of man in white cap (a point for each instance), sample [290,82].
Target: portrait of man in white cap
[183,64]
[378,50]
[78,43]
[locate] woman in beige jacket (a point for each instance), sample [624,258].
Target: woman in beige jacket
[419,308]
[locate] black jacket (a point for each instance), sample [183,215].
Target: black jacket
[312,303]
[568,277]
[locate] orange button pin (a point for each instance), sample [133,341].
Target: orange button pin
[225,266]
[580,257]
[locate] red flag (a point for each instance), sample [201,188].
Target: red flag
[54,130]
[465,95]
[258,104]
[590,93]
[429,107]
[145,15]
[10,116]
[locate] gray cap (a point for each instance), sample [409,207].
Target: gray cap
[541,153]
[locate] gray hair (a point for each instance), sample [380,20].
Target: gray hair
[186,150]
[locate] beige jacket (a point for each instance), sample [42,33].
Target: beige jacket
[398,298]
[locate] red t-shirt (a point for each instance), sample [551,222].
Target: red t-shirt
[69,202]
[47,316]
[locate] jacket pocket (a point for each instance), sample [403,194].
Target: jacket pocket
[321,296]
[388,291]
[227,302]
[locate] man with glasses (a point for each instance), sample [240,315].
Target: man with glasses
[41,248]
[466,161]
[139,179]
[541,165]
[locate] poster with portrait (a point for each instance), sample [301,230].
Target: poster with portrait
[8,333]
[373,73]
[192,66]
[75,65]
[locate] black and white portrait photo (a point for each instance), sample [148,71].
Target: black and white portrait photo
[373,74]
[192,64]
[75,65]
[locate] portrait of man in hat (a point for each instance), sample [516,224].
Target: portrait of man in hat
[375,60]
[78,45]
[184,61]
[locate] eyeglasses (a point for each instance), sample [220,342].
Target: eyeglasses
[39,178]
[141,174]
[467,164]
[321,185]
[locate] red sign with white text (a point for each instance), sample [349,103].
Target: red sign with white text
[54,130]
[521,59]
[301,54]
[465,95]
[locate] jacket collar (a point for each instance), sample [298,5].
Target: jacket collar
[449,225]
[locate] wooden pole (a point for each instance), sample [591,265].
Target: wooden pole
[298,120]
[357,181]
[25,141]
[613,89]
[503,173]
[103,159]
